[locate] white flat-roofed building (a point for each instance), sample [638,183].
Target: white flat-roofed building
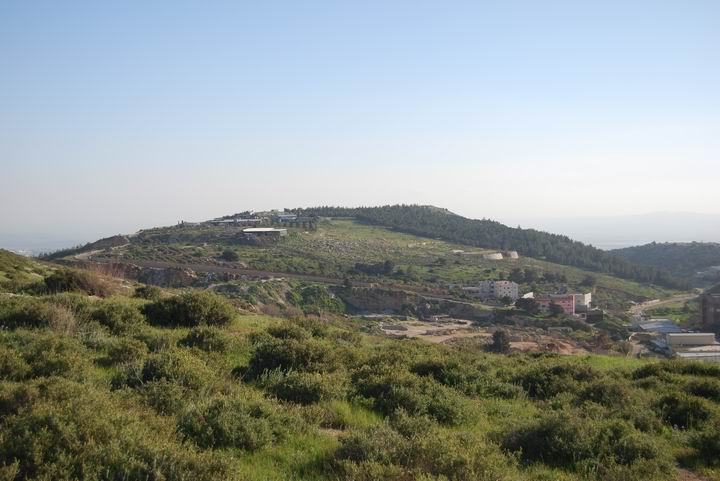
[677,339]
[264,232]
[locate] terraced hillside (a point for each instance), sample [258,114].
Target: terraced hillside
[347,249]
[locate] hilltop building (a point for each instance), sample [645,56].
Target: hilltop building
[263,234]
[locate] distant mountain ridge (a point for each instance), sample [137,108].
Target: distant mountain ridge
[679,258]
[430,221]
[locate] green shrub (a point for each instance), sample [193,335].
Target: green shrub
[173,365]
[303,387]
[232,422]
[119,316]
[80,304]
[165,397]
[288,330]
[151,293]
[421,452]
[124,350]
[206,338]
[565,439]
[66,430]
[378,443]
[12,366]
[72,280]
[707,443]
[549,379]
[683,411]
[391,389]
[154,340]
[290,354]
[31,312]
[53,355]
[677,367]
[607,392]
[317,299]
[707,388]
[191,309]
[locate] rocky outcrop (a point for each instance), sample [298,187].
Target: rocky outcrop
[375,299]
[168,277]
[159,276]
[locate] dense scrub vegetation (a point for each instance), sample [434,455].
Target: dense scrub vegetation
[439,223]
[178,386]
[681,259]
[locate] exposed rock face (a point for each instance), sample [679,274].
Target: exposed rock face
[375,299]
[168,277]
[163,277]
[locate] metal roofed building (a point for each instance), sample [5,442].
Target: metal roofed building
[677,339]
[661,326]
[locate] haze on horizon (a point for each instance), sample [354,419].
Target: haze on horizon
[119,117]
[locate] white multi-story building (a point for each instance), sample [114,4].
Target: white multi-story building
[493,289]
[582,301]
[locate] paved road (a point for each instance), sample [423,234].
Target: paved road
[639,308]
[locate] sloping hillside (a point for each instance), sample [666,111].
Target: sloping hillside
[339,249]
[682,259]
[18,271]
[440,223]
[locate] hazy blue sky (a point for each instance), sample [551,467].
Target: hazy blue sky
[120,115]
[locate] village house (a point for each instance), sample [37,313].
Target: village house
[495,289]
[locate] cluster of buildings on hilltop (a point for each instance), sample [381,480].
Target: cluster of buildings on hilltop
[572,304]
[667,337]
[259,228]
[262,219]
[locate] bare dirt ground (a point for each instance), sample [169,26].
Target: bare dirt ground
[685,475]
[438,333]
[433,332]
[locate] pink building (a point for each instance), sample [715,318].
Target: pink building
[566,301]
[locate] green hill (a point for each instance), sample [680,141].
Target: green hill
[684,259]
[348,248]
[439,223]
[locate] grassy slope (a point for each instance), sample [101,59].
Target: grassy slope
[17,271]
[337,245]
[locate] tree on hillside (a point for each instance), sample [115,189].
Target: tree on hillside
[555,310]
[501,341]
[230,256]
[528,305]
